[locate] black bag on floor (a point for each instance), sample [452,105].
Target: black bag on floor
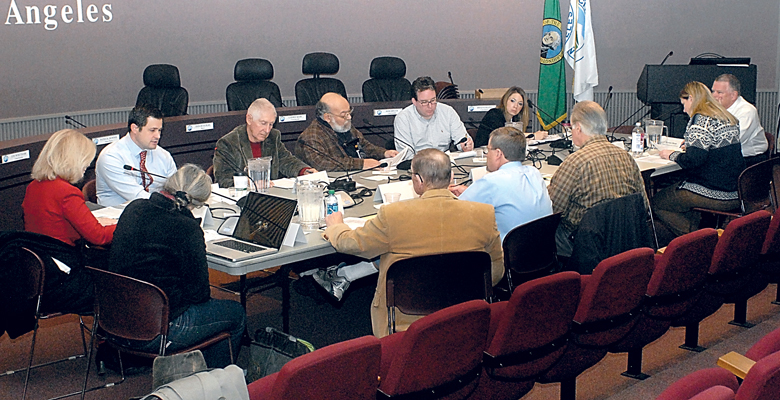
[271,349]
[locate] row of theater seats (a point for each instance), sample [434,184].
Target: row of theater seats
[552,329]
[762,381]
[162,84]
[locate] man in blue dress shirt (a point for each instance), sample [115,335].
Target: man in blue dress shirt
[139,149]
[516,191]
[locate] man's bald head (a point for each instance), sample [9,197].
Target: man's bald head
[334,109]
[433,168]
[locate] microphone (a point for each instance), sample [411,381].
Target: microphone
[671,53]
[348,185]
[609,98]
[131,168]
[72,121]
[558,144]
[406,164]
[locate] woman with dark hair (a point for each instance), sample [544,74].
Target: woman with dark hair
[711,160]
[511,108]
[159,241]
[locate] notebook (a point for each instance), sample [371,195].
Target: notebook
[260,228]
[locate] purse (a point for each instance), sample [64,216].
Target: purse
[271,349]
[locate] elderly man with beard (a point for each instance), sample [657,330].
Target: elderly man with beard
[331,142]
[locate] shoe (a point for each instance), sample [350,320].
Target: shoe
[107,358]
[329,280]
[338,286]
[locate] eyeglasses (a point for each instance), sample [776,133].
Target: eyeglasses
[344,114]
[430,102]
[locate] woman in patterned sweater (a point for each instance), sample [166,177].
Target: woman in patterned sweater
[711,160]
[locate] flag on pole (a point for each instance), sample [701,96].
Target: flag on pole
[580,50]
[551,100]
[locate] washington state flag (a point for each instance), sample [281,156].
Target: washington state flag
[551,100]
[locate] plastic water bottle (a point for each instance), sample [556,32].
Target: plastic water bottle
[637,142]
[331,203]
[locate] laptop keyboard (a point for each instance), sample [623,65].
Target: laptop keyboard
[240,246]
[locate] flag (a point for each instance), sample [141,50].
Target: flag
[551,100]
[580,50]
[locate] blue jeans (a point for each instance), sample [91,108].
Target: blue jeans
[200,322]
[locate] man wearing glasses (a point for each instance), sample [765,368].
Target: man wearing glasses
[331,142]
[426,124]
[256,138]
[516,191]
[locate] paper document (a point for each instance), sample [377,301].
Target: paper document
[393,161]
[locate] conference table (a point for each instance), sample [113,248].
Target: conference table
[317,246]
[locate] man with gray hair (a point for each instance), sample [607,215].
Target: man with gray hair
[256,138]
[435,223]
[596,172]
[331,142]
[726,90]
[516,191]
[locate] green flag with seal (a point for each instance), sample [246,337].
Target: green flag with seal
[551,100]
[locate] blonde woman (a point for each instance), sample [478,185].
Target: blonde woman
[711,160]
[52,205]
[511,108]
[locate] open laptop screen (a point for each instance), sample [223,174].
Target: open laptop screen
[264,219]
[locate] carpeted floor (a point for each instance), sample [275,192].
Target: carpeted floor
[315,318]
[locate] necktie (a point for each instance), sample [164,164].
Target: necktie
[144,176]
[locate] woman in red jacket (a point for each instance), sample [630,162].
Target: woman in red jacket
[52,205]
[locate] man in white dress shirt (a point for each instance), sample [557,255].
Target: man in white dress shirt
[726,90]
[139,149]
[426,124]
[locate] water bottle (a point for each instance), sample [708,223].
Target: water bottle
[331,203]
[637,142]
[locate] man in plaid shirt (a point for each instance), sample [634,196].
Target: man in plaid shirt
[598,171]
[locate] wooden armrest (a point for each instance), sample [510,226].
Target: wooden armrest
[720,232]
[661,250]
[736,363]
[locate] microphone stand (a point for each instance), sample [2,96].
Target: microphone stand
[406,164]
[73,122]
[558,144]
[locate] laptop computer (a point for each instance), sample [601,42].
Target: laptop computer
[260,229]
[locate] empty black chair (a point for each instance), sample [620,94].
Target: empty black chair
[162,89]
[308,91]
[422,285]
[252,77]
[530,252]
[387,81]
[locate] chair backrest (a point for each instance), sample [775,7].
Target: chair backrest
[770,138]
[346,370]
[162,89]
[29,274]
[608,228]
[387,81]
[767,345]
[129,308]
[446,90]
[533,325]
[439,349]
[529,249]
[252,77]
[309,91]
[776,186]
[680,272]
[763,380]
[755,187]
[422,285]
[611,297]
[740,244]
[89,191]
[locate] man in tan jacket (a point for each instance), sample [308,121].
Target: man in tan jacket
[435,223]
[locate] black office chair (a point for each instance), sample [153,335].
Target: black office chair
[28,284]
[423,285]
[309,91]
[163,90]
[252,77]
[387,81]
[530,252]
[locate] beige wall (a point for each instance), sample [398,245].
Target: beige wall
[487,43]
